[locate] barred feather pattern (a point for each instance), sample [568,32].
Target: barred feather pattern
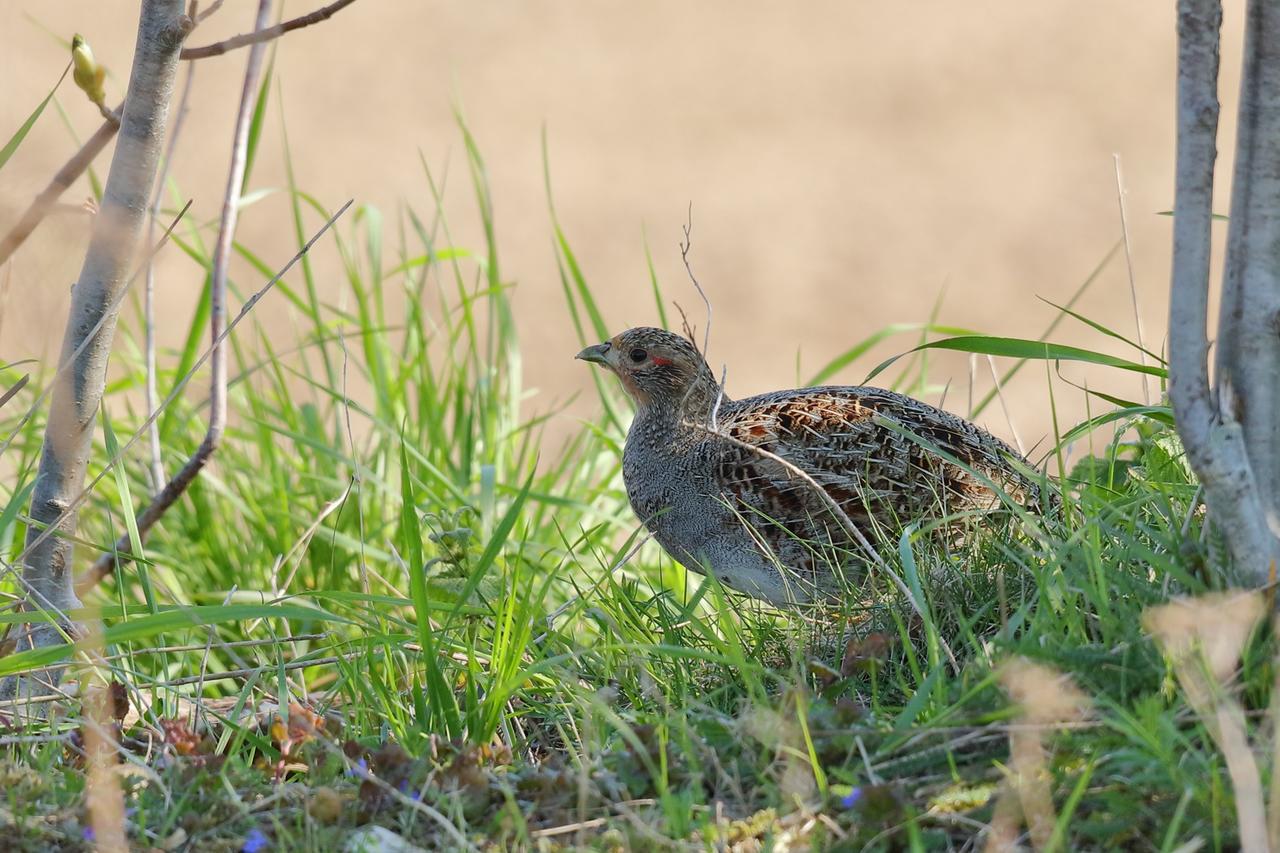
[717,499]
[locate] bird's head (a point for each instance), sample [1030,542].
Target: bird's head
[658,369]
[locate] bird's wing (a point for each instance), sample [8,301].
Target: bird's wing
[870,450]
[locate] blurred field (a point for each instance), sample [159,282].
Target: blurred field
[846,164]
[412,553]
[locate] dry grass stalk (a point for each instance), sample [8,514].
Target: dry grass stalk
[1046,698]
[1202,639]
[104,799]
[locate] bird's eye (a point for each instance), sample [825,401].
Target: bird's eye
[638,355]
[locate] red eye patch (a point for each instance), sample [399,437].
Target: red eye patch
[660,361]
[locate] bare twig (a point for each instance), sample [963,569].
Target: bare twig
[104,565]
[218,294]
[76,397]
[685,246]
[1207,420]
[204,14]
[47,200]
[43,203]
[148,311]
[17,386]
[264,34]
[66,363]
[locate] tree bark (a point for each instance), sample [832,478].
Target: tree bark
[1234,460]
[1248,347]
[47,572]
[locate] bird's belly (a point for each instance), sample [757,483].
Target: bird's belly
[705,535]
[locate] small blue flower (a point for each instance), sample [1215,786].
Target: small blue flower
[359,769]
[88,835]
[852,798]
[255,842]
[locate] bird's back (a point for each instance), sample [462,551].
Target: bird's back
[880,455]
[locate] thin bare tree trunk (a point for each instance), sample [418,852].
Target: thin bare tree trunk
[1248,346]
[47,572]
[1235,461]
[175,488]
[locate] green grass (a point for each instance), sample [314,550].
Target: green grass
[385,538]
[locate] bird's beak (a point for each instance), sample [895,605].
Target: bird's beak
[597,353]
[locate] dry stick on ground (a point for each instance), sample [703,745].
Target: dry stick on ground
[265,34]
[1206,416]
[74,405]
[47,200]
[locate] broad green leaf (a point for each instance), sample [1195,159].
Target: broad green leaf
[1024,349]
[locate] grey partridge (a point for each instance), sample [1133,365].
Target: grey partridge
[747,489]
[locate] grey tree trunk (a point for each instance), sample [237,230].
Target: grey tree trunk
[86,345]
[1231,428]
[1248,346]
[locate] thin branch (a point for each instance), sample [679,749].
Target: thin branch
[66,363]
[148,313]
[45,202]
[218,289]
[205,13]
[265,34]
[1206,421]
[107,562]
[685,246]
[17,386]
[77,396]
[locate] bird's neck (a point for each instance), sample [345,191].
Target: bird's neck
[664,422]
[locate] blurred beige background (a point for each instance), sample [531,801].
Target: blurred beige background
[846,161]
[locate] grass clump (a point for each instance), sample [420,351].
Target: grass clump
[389,605]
